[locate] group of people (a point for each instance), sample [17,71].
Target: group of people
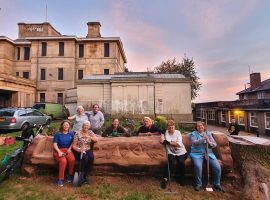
[77,144]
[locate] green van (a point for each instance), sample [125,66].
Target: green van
[54,110]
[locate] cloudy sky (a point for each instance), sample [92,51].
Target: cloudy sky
[225,38]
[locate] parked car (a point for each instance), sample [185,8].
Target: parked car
[21,118]
[54,110]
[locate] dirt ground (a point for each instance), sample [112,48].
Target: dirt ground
[114,187]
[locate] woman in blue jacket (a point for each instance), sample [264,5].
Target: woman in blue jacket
[199,139]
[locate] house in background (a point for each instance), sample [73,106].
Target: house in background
[251,111]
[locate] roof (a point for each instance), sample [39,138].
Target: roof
[135,75]
[265,85]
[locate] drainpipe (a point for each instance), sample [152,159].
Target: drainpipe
[36,98]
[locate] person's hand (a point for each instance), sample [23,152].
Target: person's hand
[166,142]
[69,150]
[148,133]
[61,154]
[205,137]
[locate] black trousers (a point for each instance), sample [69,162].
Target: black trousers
[177,166]
[86,162]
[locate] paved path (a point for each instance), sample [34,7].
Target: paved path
[225,130]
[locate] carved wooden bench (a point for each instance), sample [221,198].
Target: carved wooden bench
[127,154]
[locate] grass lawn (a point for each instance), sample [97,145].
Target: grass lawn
[44,186]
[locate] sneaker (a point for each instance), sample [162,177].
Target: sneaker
[69,178]
[60,183]
[197,188]
[86,180]
[164,183]
[219,188]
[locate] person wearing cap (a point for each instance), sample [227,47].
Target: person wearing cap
[82,144]
[148,128]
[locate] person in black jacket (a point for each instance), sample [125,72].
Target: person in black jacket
[233,128]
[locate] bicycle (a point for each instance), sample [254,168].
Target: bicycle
[15,160]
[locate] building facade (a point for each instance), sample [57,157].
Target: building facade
[43,64]
[138,94]
[251,111]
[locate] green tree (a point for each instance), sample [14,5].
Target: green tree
[186,68]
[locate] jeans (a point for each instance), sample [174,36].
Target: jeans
[215,166]
[177,165]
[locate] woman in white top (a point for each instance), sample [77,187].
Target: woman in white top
[176,150]
[79,118]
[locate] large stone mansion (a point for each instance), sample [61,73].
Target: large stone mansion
[42,63]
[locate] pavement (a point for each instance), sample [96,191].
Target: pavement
[243,135]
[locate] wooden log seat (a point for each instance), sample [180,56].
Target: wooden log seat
[127,154]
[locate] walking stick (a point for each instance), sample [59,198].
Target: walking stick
[208,186]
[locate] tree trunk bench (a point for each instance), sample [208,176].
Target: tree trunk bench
[125,154]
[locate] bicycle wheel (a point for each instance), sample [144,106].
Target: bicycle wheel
[5,170]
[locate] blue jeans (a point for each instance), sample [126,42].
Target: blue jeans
[215,166]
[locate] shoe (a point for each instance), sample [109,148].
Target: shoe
[197,188]
[60,183]
[69,178]
[164,183]
[219,188]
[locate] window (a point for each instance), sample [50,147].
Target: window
[41,97]
[211,115]
[18,53]
[80,74]
[203,114]
[42,74]
[60,74]
[61,48]
[241,117]
[253,119]
[245,96]
[106,71]
[198,113]
[26,53]
[17,74]
[81,50]
[106,50]
[60,98]
[44,49]
[267,120]
[261,95]
[26,75]
[231,116]
[223,116]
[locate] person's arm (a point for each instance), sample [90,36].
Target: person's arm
[194,140]
[72,117]
[93,137]
[162,138]
[101,119]
[55,147]
[75,144]
[178,142]
[210,140]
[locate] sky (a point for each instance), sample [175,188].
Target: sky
[227,39]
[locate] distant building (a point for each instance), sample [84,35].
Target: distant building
[251,111]
[138,94]
[41,65]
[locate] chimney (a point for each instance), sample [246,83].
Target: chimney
[93,29]
[255,80]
